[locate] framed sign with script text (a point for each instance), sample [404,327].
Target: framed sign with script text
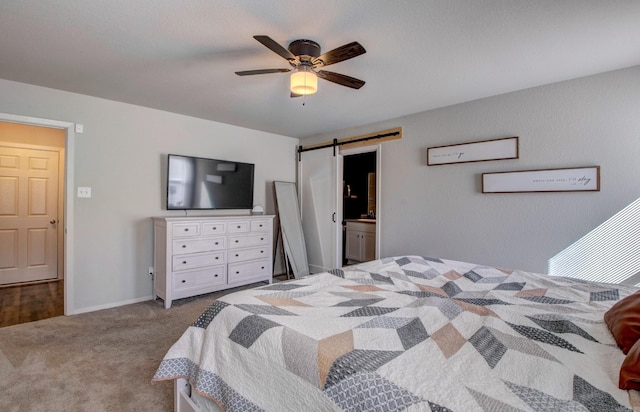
[496,149]
[574,179]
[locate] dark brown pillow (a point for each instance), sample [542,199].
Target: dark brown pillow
[623,320]
[630,370]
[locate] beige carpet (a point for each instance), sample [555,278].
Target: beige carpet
[98,361]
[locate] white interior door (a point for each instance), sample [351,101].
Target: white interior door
[321,217]
[28,214]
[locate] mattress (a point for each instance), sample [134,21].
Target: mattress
[407,333]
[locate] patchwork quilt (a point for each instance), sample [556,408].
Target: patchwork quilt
[407,333]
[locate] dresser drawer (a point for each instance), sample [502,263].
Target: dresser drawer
[184,246]
[197,260]
[262,225]
[255,268]
[240,255]
[186,229]
[236,242]
[199,278]
[238,227]
[213,228]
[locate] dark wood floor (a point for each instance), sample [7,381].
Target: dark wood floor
[26,303]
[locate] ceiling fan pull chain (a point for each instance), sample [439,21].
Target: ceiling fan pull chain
[304,96]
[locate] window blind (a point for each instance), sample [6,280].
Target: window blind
[609,253]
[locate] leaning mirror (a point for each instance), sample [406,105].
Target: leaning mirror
[291,227]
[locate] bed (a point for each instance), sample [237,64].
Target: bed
[406,333]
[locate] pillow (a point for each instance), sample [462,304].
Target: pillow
[623,320]
[630,370]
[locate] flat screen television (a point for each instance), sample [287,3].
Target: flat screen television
[199,183]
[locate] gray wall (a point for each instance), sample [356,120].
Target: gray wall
[434,211]
[440,210]
[122,156]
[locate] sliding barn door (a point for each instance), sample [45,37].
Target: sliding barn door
[318,175]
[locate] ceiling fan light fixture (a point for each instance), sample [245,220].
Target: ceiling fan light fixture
[304,57]
[304,81]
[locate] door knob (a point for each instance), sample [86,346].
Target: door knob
[53,221]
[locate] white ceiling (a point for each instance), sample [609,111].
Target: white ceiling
[180,55]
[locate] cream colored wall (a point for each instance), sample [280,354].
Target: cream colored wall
[122,156]
[440,210]
[33,135]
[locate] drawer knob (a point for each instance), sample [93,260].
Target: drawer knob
[260,225]
[184,262]
[238,227]
[186,229]
[184,246]
[237,241]
[262,267]
[216,257]
[215,276]
[261,238]
[237,255]
[237,272]
[216,243]
[184,281]
[262,251]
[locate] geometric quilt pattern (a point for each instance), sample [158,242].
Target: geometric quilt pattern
[207,383]
[407,333]
[367,391]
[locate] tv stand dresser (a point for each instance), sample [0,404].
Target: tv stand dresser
[201,254]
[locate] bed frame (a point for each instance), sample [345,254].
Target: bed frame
[182,401]
[182,396]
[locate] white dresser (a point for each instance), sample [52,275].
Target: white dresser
[203,254]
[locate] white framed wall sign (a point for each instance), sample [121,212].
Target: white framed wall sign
[495,149]
[574,179]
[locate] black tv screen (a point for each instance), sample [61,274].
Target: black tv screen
[199,183]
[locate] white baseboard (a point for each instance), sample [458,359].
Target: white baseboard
[317,269]
[111,305]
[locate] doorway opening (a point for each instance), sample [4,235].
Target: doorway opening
[360,205]
[32,168]
[322,187]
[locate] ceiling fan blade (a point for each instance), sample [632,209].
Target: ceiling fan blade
[261,71]
[342,53]
[275,47]
[341,79]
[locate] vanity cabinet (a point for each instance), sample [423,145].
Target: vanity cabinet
[360,241]
[199,254]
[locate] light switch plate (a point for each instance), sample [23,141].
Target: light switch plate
[79,128]
[84,192]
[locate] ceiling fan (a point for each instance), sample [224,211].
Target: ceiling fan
[305,60]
